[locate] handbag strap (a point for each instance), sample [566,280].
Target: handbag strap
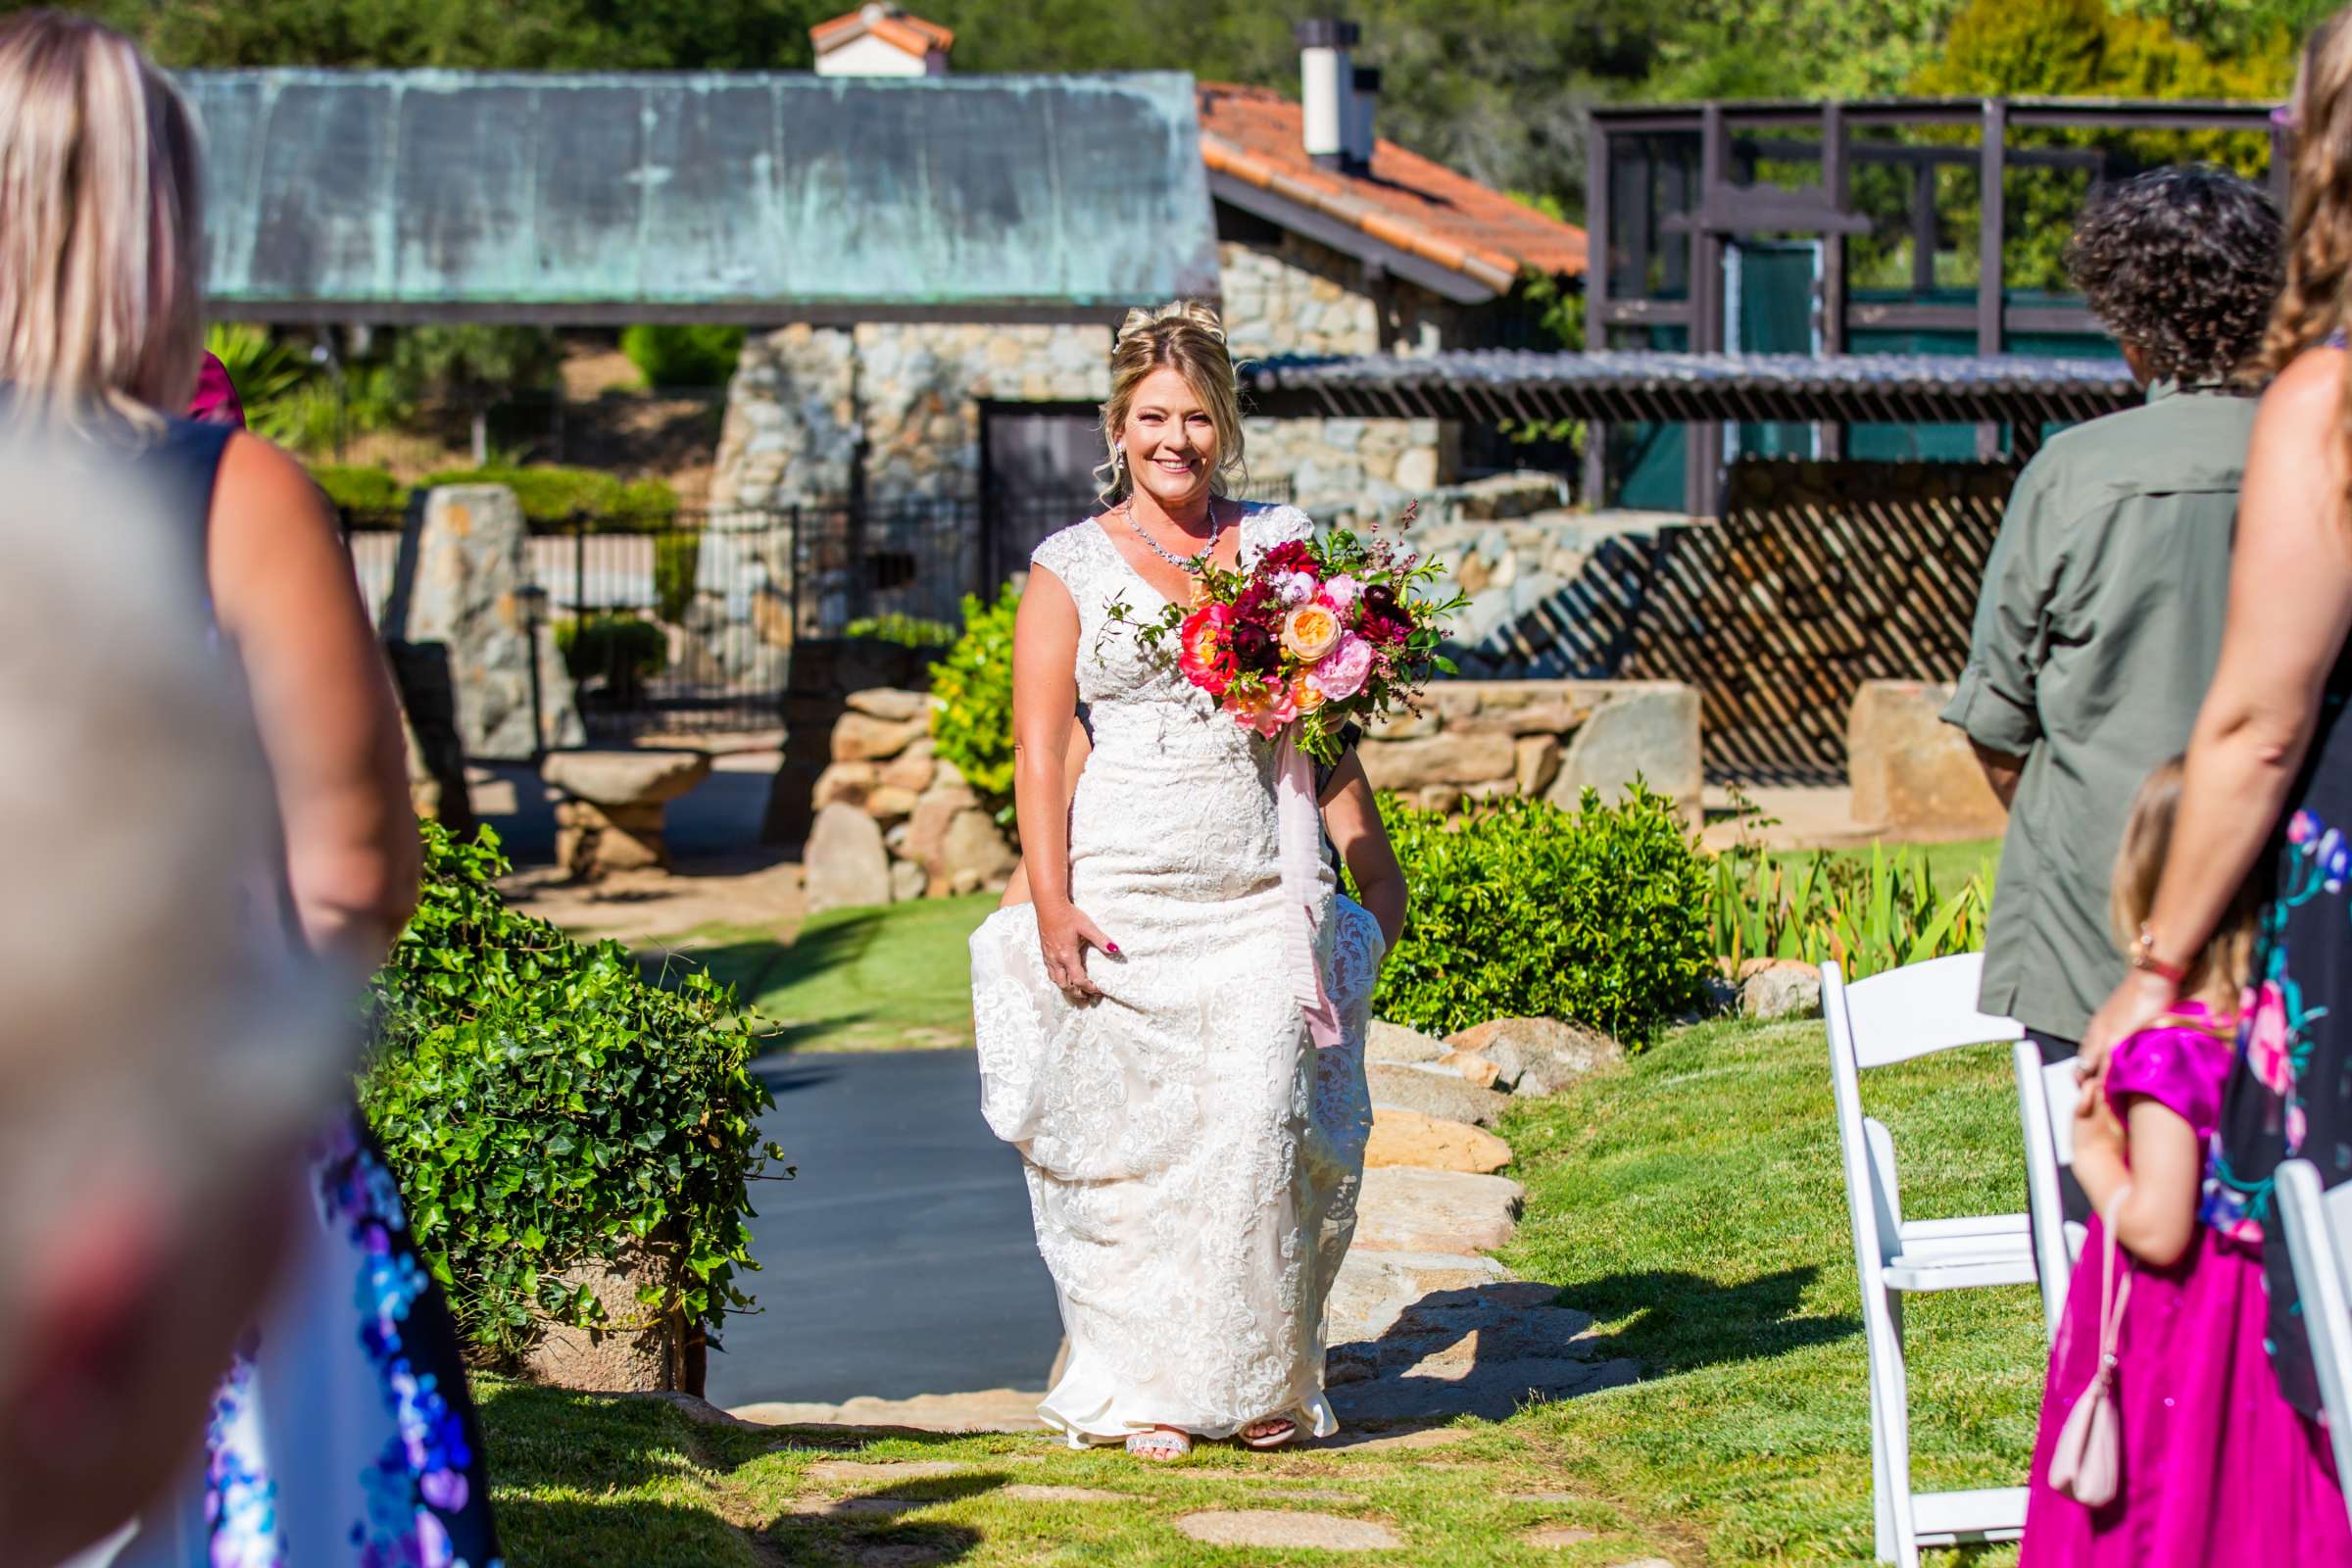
[2111,1299]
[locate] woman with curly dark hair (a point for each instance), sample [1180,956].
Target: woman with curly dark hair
[2100,616]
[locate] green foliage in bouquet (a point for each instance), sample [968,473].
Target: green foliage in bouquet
[545,1108]
[1522,910]
[972,719]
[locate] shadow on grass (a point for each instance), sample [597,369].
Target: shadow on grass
[1677,1322]
[565,1466]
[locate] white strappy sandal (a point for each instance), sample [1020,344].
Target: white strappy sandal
[1159,1445]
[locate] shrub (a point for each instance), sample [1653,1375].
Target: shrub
[1874,914]
[907,631]
[362,490]
[1522,910]
[551,496]
[972,720]
[547,1108]
[684,356]
[624,651]
[677,561]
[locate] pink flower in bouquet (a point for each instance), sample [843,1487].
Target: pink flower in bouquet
[1206,647]
[1344,670]
[2267,1041]
[1310,631]
[1341,592]
[1295,587]
[1265,710]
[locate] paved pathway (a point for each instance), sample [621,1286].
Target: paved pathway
[900,1261]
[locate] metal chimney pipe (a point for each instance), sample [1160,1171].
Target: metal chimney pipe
[1361,103]
[1326,83]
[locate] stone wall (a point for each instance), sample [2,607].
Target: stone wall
[894,822]
[1477,740]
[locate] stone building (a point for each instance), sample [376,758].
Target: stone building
[1328,241]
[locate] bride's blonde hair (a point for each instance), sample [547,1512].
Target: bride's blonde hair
[2317,298]
[1188,337]
[99,258]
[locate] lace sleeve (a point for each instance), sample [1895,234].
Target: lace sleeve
[1055,553]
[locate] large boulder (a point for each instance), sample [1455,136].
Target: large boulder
[1538,1055]
[463,582]
[1447,757]
[863,738]
[1426,1142]
[1645,728]
[1779,988]
[1394,1042]
[1433,1092]
[1403,1209]
[846,864]
[1915,776]
[887,703]
[625,777]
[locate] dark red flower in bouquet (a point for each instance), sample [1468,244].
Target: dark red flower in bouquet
[1256,600]
[1291,554]
[1380,598]
[1384,631]
[1256,651]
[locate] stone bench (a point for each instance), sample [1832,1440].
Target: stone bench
[610,816]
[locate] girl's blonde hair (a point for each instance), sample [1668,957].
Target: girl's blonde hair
[1188,337]
[100,179]
[2221,970]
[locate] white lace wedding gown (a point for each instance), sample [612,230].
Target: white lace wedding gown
[1193,1161]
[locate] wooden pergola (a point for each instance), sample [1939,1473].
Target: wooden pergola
[1716,197]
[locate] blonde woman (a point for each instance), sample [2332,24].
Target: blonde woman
[342,1432]
[2267,795]
[1140,1040]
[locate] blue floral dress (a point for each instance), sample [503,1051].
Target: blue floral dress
[342,1434]
[2289,1094]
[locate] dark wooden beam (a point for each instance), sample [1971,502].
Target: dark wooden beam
[1599,257]
[1837,181]
[1992,236]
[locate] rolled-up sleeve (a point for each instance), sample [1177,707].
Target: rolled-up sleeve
[1994,703]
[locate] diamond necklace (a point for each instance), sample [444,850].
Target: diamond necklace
[1189,565]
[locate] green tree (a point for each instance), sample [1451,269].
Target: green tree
[473,367]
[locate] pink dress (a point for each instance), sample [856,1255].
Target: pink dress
[2218,1469]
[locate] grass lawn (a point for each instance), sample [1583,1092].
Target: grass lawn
[1951,864]
[1692,1204]
[890,978]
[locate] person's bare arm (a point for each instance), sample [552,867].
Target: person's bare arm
[1082,746]
[286,598]
[2157,1219]
[1045,710]
[1352,819]
[2290,603]
[2001,770]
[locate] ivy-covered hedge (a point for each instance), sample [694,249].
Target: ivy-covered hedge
[972,720]
[551,495]
[546,1108]
[1524,910]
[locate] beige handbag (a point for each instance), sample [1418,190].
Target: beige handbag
[2088,1461]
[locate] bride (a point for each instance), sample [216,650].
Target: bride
[1190,1157]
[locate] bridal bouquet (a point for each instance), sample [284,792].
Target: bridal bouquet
[1321,633]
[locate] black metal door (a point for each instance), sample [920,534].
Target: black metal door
[1038,476]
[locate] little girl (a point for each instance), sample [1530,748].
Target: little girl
[2216,1469]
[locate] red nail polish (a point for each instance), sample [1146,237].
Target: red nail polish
[1111,947]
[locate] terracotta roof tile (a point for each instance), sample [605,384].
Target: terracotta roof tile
[1404,200]
[909,33]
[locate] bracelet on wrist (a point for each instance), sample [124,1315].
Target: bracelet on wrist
[2142,957]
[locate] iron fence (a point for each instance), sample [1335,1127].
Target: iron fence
[690,627]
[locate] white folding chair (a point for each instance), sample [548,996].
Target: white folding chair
[1892,1018]
[2045,1102]
[2318,1243]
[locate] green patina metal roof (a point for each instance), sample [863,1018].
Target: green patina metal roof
[759,198]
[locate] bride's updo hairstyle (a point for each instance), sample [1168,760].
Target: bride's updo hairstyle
[1189,338]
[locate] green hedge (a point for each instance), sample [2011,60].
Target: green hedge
[551,496]
[546,1108]
[1523,911]
[369,490]
[626,651]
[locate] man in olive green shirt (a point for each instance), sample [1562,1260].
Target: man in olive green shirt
[2101,617]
